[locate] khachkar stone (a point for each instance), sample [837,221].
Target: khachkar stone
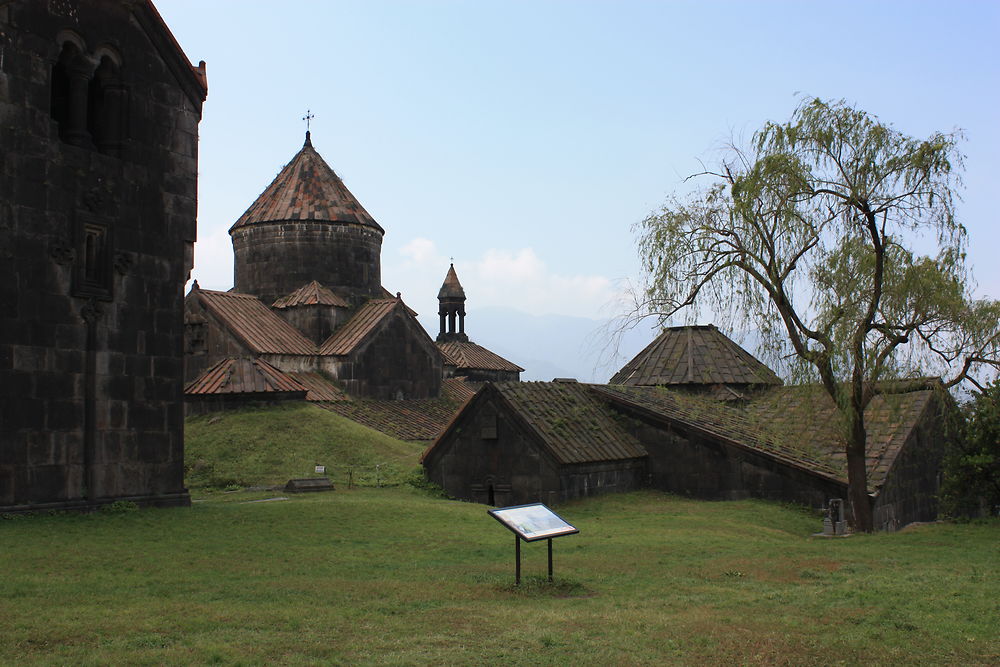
[307,226]
[97,225]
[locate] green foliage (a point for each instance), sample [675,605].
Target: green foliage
[971,484]
[809,236]
[119,507]
[268,446]
[394,577]
[418,480]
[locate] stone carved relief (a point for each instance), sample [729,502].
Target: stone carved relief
[62,253]
[123,262]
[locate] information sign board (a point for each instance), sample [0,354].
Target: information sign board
[533,522]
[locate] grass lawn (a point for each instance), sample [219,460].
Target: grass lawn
[267,446]
[396,577]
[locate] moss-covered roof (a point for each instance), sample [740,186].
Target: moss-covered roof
[412,419]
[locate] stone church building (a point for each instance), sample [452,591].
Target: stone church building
[692,414]
[98,177]
[308,301]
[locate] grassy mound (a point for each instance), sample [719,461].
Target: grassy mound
[269,445]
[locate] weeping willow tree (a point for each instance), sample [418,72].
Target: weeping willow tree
[811,235]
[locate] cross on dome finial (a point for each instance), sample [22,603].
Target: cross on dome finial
[308,117]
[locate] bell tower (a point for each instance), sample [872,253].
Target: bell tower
[451,309]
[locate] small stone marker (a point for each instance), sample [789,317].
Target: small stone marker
[320,470]
[308,485]
[833,523]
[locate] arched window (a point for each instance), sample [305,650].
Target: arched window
[88,98]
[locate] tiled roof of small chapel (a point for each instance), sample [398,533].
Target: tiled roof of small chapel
[263,330]
[345,339]
[307,188]
[310,294]
[469,355]
[243,376]
[569,420]
[700,355]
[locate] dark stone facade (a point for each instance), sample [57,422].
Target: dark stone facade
[489,456]
[273,259]
[397,361]
[98,179]
[690,463]
[911,492]
[499,451]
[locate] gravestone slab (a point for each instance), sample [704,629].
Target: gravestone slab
[308,485]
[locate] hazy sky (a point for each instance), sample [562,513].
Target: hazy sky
[524,139]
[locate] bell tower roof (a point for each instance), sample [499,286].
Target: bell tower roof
[451,288]
[307,188]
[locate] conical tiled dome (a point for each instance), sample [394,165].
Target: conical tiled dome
[451,288]
[307,226]
[307,188]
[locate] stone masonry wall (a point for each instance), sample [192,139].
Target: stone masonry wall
[273,260]
[97,222]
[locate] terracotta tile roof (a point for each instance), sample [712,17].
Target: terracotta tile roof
[418,419]
[451,288]
[344,340]
[569,420]
[310,294]
[718,420]
[306,189]
[320,389]
[260,328]
[806,414]
[470,355]
[243,376]
[694,355]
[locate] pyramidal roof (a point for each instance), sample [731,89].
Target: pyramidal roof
[451,289]
[694,355]
[307,188]
[310,294]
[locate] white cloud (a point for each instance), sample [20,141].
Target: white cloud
[501,277]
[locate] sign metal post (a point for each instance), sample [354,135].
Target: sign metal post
[531,523]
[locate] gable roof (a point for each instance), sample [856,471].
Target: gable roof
[798,424]
[306,188]
[472,356]
[260,328]
[565,418]
[347,338]
[694,355]
[310,294]
[243,376]
[718,420]
[806,414]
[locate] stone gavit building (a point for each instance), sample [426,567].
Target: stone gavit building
[694,415]
[99,113]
